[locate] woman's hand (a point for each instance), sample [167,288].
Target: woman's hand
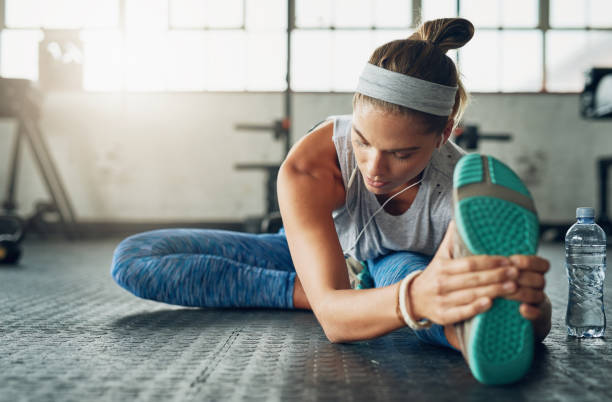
[531,285]
[451,289]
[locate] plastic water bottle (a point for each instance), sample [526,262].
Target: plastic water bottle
[585,262]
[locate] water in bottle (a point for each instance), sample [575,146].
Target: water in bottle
[585,262]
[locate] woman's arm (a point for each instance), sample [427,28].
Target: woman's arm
[310,188]
[542,323]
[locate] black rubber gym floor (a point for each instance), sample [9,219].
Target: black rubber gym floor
[68,333]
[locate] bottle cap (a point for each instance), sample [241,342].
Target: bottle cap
[585,212]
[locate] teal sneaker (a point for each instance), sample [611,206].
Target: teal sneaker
[495,215]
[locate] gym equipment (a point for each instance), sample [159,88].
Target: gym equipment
[11,234]
[596,97]
[604,165]
[20,100]
[468,137]
[271,221]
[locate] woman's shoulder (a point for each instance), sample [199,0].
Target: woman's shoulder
[316,149]
[311,173]
[339,124]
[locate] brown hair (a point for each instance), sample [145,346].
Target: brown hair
[423,55]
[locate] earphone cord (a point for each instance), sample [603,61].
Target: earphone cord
[377,211]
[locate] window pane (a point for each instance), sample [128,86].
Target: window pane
[568,13]
[187,13]
[102,13]
[265,15]
[313,13]
[349,59]
[566,53]
[521,61]
[600,13]
[480,62]
[508,61]
[519,13]
[482,13]
[146,61]
[570,53]
[146,14]
[385,36]
[266,61]
[393,13]
[206,13]
[19,57]
[186,60]
[24,13]
[102,61]
[311,55]
[62,14]
[225,55]
[433,9]
[224,13]
[353,13]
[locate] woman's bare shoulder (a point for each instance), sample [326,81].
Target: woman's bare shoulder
[316,151]
[312,169]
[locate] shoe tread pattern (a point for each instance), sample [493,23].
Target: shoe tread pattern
[503,175]
[498,227]
[468,170]
[501,346]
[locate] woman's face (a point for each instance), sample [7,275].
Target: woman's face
[391,149]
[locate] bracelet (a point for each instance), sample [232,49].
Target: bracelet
[403,293]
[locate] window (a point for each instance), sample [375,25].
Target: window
[580,37]
[505,54]
[241,45]
[163,45]
[580,14]
[507,61]
[333,39]
[513,50]
[102,60]
[20,53]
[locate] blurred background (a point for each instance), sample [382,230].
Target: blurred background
[125,115]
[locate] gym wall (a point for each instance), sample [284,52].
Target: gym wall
[169,157]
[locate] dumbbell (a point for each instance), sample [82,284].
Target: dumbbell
[11,234]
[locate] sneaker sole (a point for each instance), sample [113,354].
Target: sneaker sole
[495,215]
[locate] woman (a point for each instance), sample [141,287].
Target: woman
[374,192]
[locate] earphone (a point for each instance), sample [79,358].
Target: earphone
[350,182]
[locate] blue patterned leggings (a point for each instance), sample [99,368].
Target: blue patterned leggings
[217,268]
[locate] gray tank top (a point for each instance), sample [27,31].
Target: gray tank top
[419,229]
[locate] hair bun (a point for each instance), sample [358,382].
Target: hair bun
[446,33]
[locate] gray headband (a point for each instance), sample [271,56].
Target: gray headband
[404,90]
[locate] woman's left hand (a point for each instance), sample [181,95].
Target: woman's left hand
[530,285]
